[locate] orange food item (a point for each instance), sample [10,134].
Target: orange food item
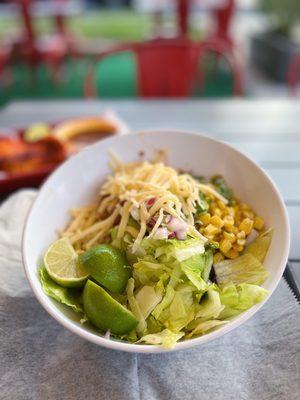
[84,129]
[17,156]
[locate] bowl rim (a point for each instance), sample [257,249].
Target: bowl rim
[46,303]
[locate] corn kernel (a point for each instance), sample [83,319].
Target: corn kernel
[229,236]
[225,245]
[231,211]
[246,225]
[213,206]
[258,223]
[228,223]
[248,214]
[217,212]
[216,221]
[232,254]
[221,205]
[230,228]
[237,247]
[211,230]
[205,218]
[241,235]
[229,219]
[218,257]
[241,242]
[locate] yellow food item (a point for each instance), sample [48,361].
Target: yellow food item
[229,236]
[232,254]
[84,126]
[258,223]
[241,235]
[225,246]
[205,218]
[217,212]
[211,230]
[246,225]
[233,223]
[238,247]
[217,221]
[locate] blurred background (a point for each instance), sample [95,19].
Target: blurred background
[50,48]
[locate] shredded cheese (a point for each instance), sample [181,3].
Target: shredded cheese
[153,190]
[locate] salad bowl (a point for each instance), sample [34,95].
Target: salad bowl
[77,181]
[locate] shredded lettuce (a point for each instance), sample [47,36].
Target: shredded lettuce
[239,298]
[172,249]
[148,297]
[260,246]
[205,326]
[153,325]
[149,271]
[166,301]
[181,310]
[180,250]
[135,308]
[197,269]
[193,268]
[210,305]
[166,338]
[208,262]
[59,293]
[244,269]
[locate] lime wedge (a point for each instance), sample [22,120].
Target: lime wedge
[36,132]
[105,312]
[61,262]
[107,266]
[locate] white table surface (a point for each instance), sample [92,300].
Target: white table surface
[267,130]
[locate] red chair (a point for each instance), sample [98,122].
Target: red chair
[168,67]
[223,17]
[293,74]
[5,57]
[34,51]
[183,16]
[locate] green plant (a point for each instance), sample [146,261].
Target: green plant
[284,14]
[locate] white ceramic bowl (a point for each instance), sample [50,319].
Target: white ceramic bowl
[78,180]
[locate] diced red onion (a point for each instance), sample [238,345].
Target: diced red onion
[161,233]
[175,224]
[152,222]
[151,201]
[181,234]
[172,235]
[134,212]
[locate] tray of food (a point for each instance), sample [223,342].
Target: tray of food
[29,154]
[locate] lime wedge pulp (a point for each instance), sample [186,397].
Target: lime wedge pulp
[62,264]
[37,132]
[107,266]
[105,312]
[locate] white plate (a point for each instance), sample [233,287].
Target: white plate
[78,180]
